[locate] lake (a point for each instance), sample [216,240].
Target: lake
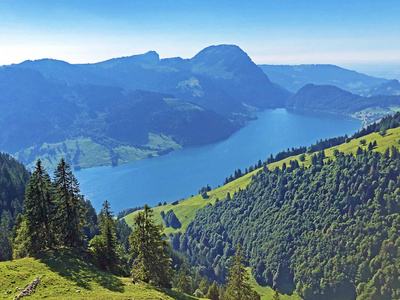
[183,172]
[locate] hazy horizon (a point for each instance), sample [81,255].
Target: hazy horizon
[357,35]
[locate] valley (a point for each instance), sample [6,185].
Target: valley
[183,172]
[200,150]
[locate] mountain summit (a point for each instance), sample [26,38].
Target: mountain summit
[222,78]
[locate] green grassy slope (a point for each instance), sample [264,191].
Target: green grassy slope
[68,276]
[391,138]
[186,209]
[84,152]
[267,293]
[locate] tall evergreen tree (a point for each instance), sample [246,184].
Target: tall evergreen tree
[238,287]
[213,292]
[5,235]
[108,230]
[104,246]
[40,210]
[21,238]
[204,285]
[184,284]
[150,251]
[71,212]
[276,295]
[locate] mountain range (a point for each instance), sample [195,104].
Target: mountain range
[332,99]
[294,77]
[129,108]
[221,78]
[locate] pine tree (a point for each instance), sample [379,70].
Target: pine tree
[108,230]
[276,295]
[5,235]
[238,287]
[204,285]
[40,210]
[71,212]
[213,292]
[150,251]
[184,284]
[105,245]
[21,237]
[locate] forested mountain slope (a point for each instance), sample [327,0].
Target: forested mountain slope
[279,214]
[222,78]
[332,99]
[392,87]
[13,182]
[377,136]
[96,125]
[330,230]
[295,77]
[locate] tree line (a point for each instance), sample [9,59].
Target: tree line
[388,122]
[13,181]
[56,216]
[328,231]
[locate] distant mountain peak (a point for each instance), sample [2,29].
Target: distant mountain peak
[150,57]
[224,62]
[218,52]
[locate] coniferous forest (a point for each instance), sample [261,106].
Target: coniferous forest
[329,231]
[192,150]
[13,181]
[54,216]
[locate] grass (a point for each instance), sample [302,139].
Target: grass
[391,138]
[87,153]
[267,292]
[372,114]
[186,209]
[68,276]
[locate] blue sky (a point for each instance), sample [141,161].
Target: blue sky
[362,35]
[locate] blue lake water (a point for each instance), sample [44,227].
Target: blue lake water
[183,172]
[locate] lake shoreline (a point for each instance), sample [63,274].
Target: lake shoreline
[181,173]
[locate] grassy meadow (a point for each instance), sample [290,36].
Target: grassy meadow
[68,276]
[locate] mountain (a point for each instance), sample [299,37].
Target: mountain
[185,209]
[324,231]
[301,219]
[335,100]
[391,87]
[221,78]
[295,77]
[301,226]
[94,125]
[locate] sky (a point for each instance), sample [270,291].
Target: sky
[361,35]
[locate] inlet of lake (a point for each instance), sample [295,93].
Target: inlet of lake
[183,172]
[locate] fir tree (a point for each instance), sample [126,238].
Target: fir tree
[40,210]
[184,284]
[149,250]
[238,287]
[213,292]
[108,230]
[5,235]
[204,285]
[276,295]
[21,237]
[71,212]
[105,245]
